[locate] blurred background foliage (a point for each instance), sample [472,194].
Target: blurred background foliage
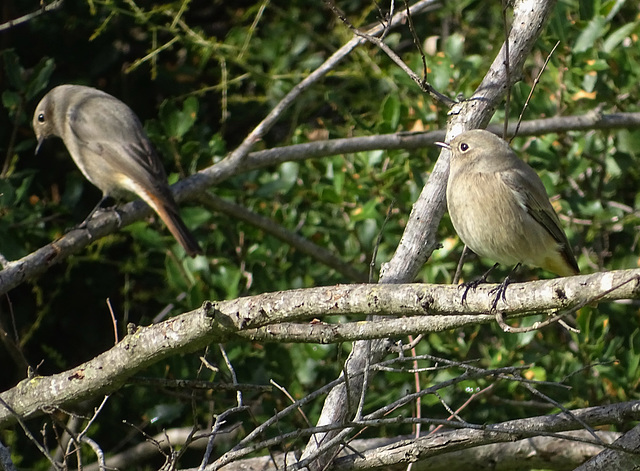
[201,75]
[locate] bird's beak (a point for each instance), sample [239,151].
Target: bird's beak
[40,141]
[444,145]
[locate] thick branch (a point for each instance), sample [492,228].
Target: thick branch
[437,444]
[614,459]
[221,321]
[522,455]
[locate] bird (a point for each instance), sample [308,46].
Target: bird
[500,208]
[108,144]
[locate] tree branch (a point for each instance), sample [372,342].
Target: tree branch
[521,455]
[254,316]
[296,241]
[29,16]
[437,444]
[613,458]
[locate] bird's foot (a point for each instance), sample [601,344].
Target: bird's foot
[501,290]
[475,283]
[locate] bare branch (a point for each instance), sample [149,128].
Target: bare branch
[533,87]
[296,241]
[613,459]
[379,41]
[23,19]
[522,455]
[255,316]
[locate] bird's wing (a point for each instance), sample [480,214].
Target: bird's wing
[534,199]
[115,134]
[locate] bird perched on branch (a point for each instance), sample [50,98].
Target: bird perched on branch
[108,144]
[500,208]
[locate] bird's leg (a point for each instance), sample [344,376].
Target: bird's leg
[105,204]
[501,289]
[474,284]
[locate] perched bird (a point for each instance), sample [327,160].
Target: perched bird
[108,144]
[500,208]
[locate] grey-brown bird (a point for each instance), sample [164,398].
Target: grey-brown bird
[500,208]
[108,144]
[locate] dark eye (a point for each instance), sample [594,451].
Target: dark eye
[464,147]
[41,118]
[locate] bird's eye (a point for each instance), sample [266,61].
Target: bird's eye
[41,118]
[464,147]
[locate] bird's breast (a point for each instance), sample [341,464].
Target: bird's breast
[490,219]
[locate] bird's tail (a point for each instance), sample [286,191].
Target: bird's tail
[167,209]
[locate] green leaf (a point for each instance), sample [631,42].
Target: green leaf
[368,232]
[597,65]
[589,81]
[368,211]
[11,101]
[338,179]
[177,122]
[633,354]
[535,373]
[616,37]
[284,180]
[40,77]
[595,30]
[13,69]
[391,112]
[612,166]
[24,187]
[454,48]
[628,141]
[7,193]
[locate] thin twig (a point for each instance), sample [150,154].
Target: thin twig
[290,397]
[458,273]
[234,378]
[463,406]
[422,83]
[220,420]
[114,322]
[533,87]
[586,426]
[374,255]
[417,43]
[11,23]
[28,433]
[416,380]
